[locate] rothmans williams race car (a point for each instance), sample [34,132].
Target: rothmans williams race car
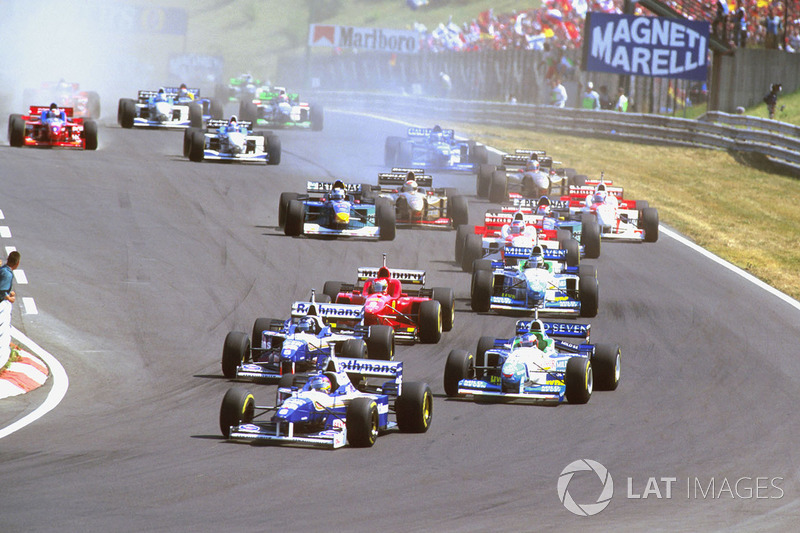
[434,148]
[416,315]
[313,332]
[52,127]
[619,219]
[84,104]
[332,408]
[337,209]
[534,366]
[526,282]
[224,140]
[276,108]
[168,107]
[419,205]
[526,173]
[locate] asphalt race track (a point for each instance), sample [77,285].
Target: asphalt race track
[140,262]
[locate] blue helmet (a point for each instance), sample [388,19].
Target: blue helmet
[320,383]
[306,325]
[337,194]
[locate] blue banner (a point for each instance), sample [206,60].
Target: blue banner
[646,46]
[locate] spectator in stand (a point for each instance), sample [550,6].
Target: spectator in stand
[771,99]
[721,20]
[590,99]
[605,99]
[558,94]
[773,25]
[740,28]
[622,101]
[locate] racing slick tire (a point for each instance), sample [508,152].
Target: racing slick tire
[414,407]
[187,140]
[295,218]
[588,293]
[578,180]
[569,172]
[195,115]
[445,296]
[317,117]
[353,349]
[386,218]
[484,179]
[235,351]
[606,365]
[367,195]
[11,119]
[323,299]
[430,322]
[238,407]
[641,204]
[390,148]
[197,146]
[380,343]
[216,109]
[90,134]
[126,112]
[479,155]
[283,205]
[484,343]
[481,264]
[272,145]
[462,231]
[473,249]
[579,380]
[16,131]
[460,365]
[458,210]
[498,192]
[481,292]
[405,154]
[590,236]
[93,104]
[260,325]
[573,249]
[587,270]
[332,289]
[649,223]
[361,419]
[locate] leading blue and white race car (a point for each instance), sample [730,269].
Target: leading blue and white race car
[331,408]
[434,148]
[535,365]
[224,140]
[167,108]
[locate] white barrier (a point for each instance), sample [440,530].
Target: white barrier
[5,331]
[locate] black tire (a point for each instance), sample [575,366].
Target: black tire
[272,145]
[590,236]
[481,292]
[458,210]
[462,232]
[445,296]
[460,365]
[484,343]
[332,289]
[588,293]
[187,140]
[127,112]
[573,249]
[606,366]
[473,249]
[287,381]
[484,179]
[195,115]
[362,422]
[323,299]
[587,270]
[238,407]
[390,148]
[216,109]
[197,146]
[260,325]
[248,112]
[414,407]
[16,135]
[641,204]
[405,154]
[481,264]
[353,349]
[317,117]
[479,155]
[283,205]
[90,134]
[430,322]
[579,380]
[93,104]
[498,192]
[386,218]
[235,351]
[295,218]
[578,180]
[380,343]
[11,119]
[649,223]
[569,172]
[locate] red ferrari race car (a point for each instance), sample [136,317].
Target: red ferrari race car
[416,315]
[51,126]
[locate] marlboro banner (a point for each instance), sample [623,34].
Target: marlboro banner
[396,41]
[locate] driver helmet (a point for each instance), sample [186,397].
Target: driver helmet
[320,383]
[536,259]
[436,133]
[54,108]
[183,91]
[282,97]
[233,121]
[337,194]
[600,194]
[306,325]
[543,206]
[161,90]
[410,186]
[379,285]
[532,166]
[527,340]
[517,227]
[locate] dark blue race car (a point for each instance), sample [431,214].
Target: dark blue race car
[434,148]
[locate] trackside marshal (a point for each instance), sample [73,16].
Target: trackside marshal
[386,40]
[646,46]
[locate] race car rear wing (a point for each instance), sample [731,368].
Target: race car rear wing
[500,218]
[329,311]
[401,170]
[387,178]
[214,124]
[447,134]
[529,152]
[404,276]
[369,367]
[532,203]
[327,186]
[558,329]
[36,110]
[549,254]
[586,190]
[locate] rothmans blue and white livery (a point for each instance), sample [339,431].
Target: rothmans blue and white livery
[231,140]
[166,108]
[535,365]
[434,148]
[331,408]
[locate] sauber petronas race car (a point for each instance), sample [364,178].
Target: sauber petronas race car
[419,205]
[52,127]
[331,408]
[434,148]
[224,140]
[534,366]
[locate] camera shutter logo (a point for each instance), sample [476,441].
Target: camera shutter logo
[586,509]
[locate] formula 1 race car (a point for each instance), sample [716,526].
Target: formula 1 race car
[434,148]
[332,408]
[314,331]
[222,141]
[527,173]
[337,209]
[276,108]
[166,108]
[241,88]
[52,127]
[84,104]
[417,204]
[534,284]
[534,366]
[416,315]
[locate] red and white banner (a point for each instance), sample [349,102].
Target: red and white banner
[386,40]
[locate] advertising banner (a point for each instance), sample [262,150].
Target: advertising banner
[396,41]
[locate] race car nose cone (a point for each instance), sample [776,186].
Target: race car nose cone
[343,218]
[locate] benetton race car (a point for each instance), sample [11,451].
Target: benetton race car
[417,204]
[534,366]
[52,127]
[526,282]
[416,315]
[337,209]
[527,173]
[168,107]
[226,141]
[296,345]
[329,409]
[276,108]
[84,104]
[434,148]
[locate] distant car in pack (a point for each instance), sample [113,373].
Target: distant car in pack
[239,88]
[168,107]
[275,107]
[434,148]
[52,127]
[84,104]
[527,173]
[225,140]
[417,203]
